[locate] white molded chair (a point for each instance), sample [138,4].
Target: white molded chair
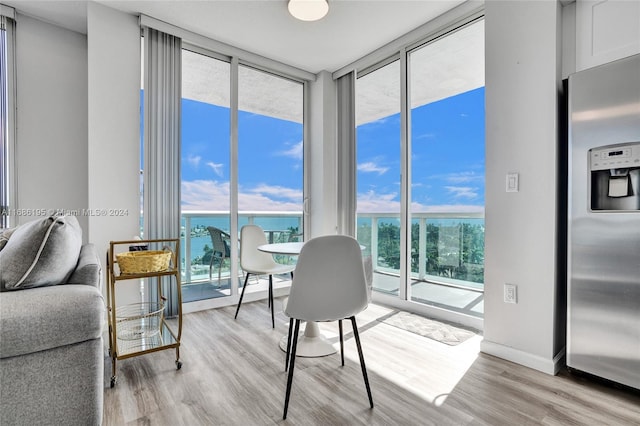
[256,262]
[329,285]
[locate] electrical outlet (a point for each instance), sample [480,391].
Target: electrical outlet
[510,293]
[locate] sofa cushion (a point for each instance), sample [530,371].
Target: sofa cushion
[41,252]
[38,319]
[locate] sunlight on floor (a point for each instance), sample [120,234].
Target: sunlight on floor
[441,366]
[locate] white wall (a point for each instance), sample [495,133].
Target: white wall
[113,40]
[51,87]
[523,73]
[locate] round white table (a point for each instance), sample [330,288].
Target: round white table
[311,343]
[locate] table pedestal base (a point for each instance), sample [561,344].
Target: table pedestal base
[310,344]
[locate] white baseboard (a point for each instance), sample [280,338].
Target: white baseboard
[546,365]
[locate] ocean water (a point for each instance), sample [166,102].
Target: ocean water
[276,224]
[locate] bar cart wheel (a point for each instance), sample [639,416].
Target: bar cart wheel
[178,365]
[113,381]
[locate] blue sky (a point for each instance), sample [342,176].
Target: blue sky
[447,159]
[270,160]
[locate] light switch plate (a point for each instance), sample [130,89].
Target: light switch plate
[510,293]
[512,182]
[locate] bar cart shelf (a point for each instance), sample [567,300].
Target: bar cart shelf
[148,332]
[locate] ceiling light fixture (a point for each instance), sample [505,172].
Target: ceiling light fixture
[308,10]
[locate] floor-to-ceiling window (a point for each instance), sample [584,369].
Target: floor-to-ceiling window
[420,115]
[446,98]
[270,154]
[378,172]
[205,169]
[241,160]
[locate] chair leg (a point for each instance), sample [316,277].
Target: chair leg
[364,368]
[293,362]
[286,360]
[341,342]
[244,287]
[220,270]
[273,320]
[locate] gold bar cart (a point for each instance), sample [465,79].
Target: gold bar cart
[165,337]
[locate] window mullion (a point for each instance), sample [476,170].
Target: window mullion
[405,178]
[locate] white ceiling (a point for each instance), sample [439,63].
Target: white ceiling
[351,29]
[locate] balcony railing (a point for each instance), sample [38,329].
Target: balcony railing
[445,247]
[279,227]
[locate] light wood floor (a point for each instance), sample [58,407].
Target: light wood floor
[233,374]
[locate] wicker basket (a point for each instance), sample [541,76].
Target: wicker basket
[139,320]
[140,262]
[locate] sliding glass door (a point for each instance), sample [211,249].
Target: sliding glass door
[420,115]
[446,95]
[256,178]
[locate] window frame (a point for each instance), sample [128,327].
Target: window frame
[401,49]
[237,57]
[8,189]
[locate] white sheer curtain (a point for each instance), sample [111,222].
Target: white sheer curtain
[346,155]
[162,99]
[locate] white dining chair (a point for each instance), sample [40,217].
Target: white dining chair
[329,284]
[256,262]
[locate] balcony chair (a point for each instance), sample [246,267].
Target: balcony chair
[256,262]
[329,285]
[221,249]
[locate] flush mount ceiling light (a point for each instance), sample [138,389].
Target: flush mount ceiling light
[308,10]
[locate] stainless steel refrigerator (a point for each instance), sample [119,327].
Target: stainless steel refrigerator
[603,313]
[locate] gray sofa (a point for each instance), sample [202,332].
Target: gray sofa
[51,348]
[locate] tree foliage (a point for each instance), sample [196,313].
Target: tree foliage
[452,250]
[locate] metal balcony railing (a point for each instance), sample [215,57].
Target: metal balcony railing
[445,247]
[279,227]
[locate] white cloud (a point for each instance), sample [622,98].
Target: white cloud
[217,167]
[214,196]
[371,167]
[371,202]
[447,208]
[424,136]
[279,191]
[259,202]
[194,160]
[209,195]
[462,191]
[205,195]
[294,152]
[463,177]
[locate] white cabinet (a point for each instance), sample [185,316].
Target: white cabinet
[606,30]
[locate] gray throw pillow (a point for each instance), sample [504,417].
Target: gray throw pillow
[4,236]
[41,252]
